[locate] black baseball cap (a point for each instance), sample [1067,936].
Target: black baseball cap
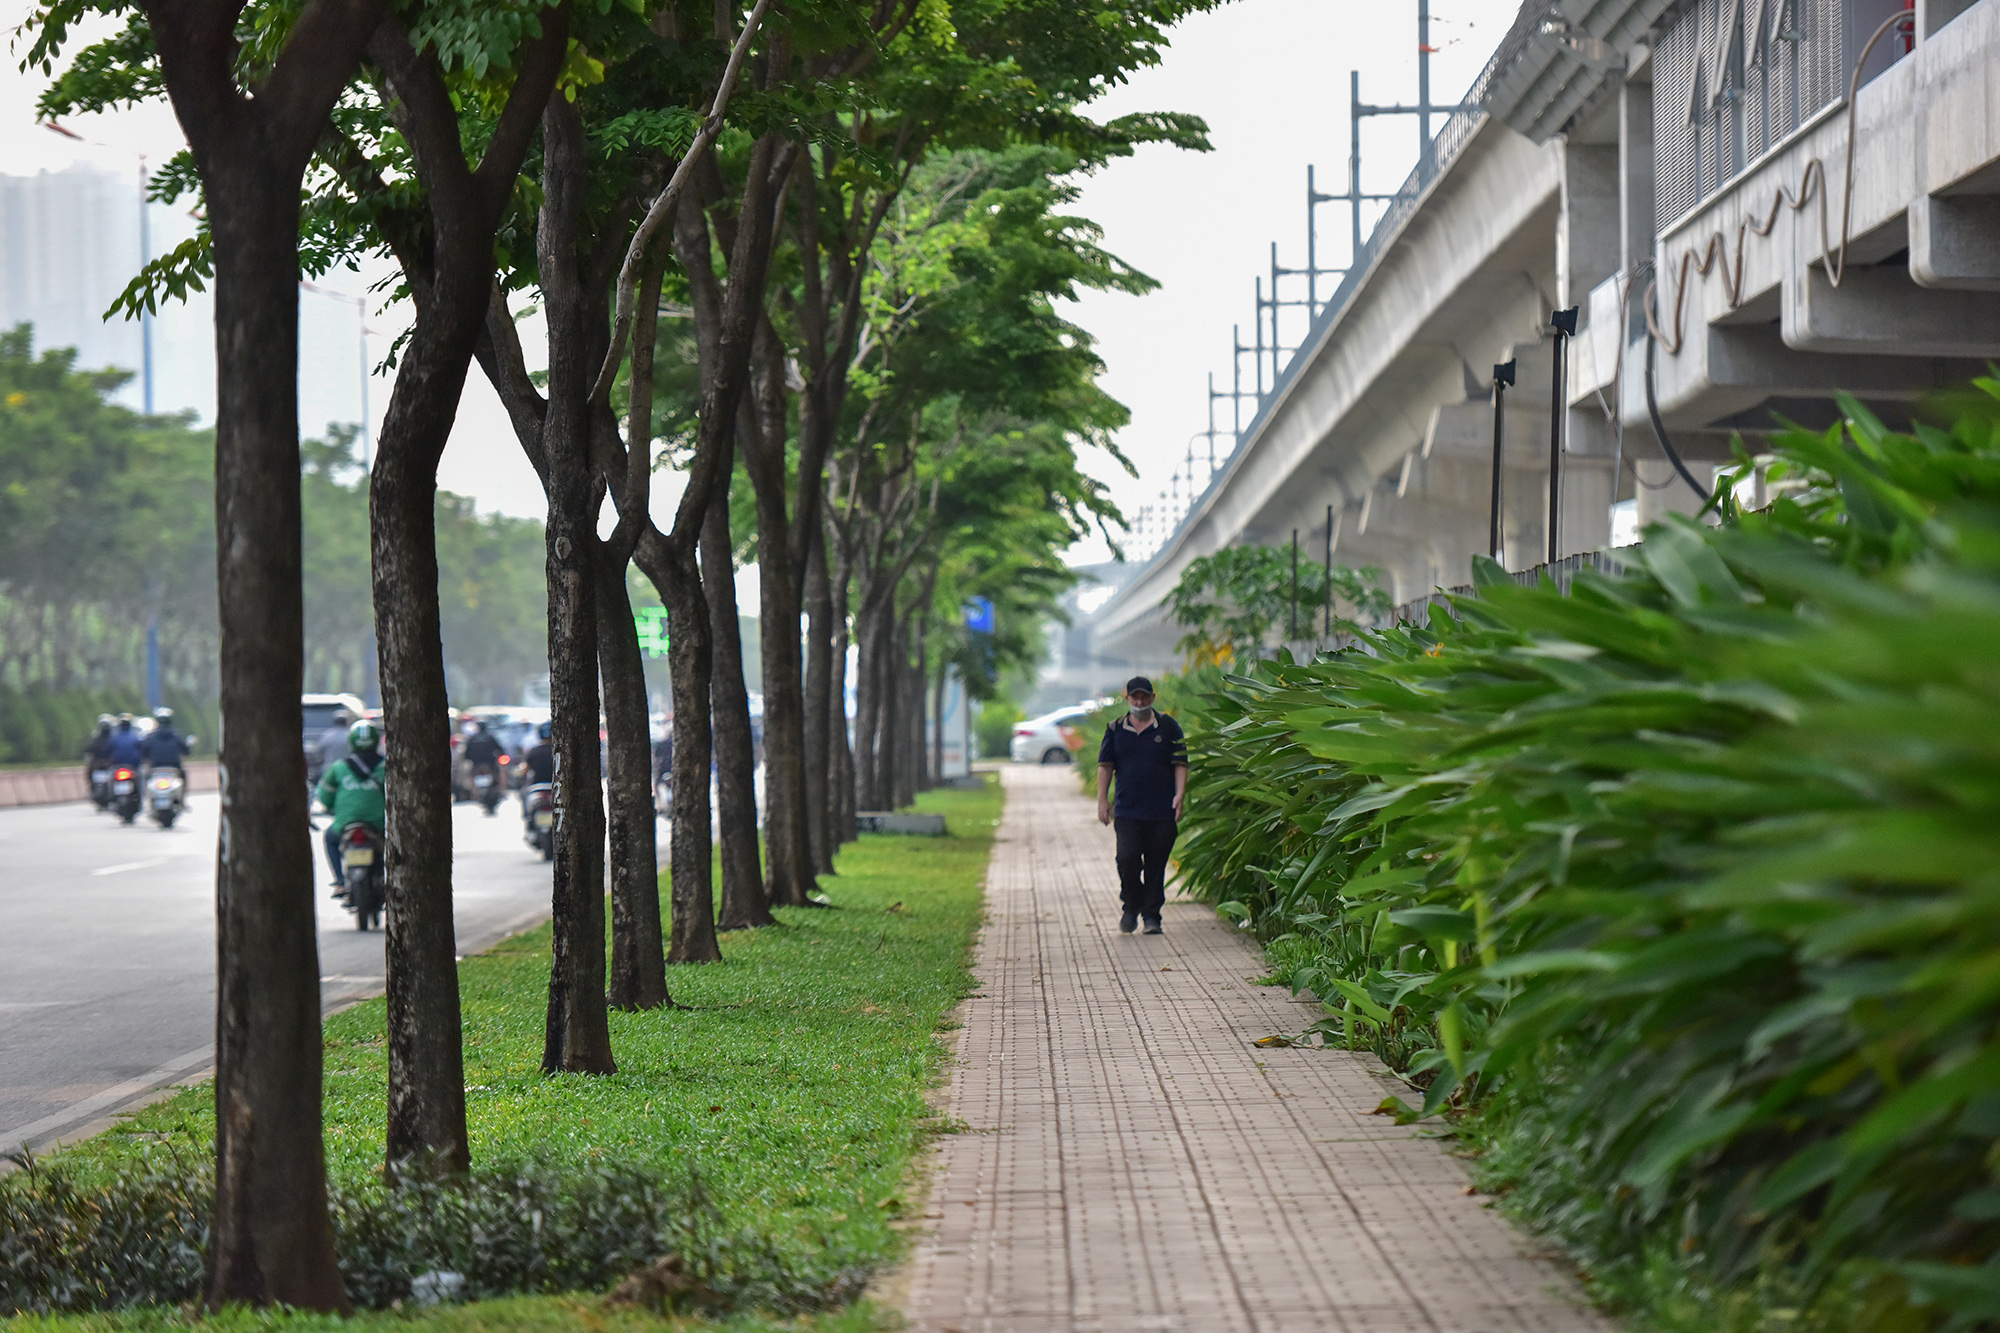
[1138,684]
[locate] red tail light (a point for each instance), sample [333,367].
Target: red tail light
[122,775]
[1024,731]
[506,759]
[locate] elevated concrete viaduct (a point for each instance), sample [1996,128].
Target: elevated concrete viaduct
[1694,152]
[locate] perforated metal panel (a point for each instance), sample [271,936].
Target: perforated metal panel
[1677,117]
[1732,78]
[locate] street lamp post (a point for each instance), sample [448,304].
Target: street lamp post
[361,330]
[1564,324]
[371,684]
[153,695]
[145,315]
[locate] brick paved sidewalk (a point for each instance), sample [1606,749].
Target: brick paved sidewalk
[1135,1164]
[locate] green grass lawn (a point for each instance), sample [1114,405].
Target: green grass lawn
[519,1314]
[794,1083]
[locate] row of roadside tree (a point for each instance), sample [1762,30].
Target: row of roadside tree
[841,221]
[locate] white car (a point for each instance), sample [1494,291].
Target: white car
[316,715]
[1051,738]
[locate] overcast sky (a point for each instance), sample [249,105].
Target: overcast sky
[1269,76]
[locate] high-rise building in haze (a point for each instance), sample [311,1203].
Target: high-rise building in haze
[69,243]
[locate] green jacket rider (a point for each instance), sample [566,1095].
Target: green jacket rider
[352,788]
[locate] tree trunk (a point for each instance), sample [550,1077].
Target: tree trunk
[788,856]
[426,1116]
[936,775]
[743,902]
[908,722]
[819,708]
[451,280]
[725,325]
[919,770]
[871,710]
[886,683]
[272,1242]
[920,729]
[840,749]
[678,579]
[578,1036]
[638,957]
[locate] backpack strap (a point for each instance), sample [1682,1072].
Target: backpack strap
[361,774]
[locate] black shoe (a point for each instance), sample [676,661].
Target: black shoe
[1152,925]
[1129,922]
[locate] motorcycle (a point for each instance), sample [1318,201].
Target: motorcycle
[166,792]
[487,787]
[540,799]
[100,787]
[361,862]
[125,794]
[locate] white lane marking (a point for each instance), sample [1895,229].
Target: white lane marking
[32,1004]
[130,865]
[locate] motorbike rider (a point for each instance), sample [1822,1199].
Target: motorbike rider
[540,763]
[97,754]
[663,755]
[481,747]
[166,747]
[333,741]
[353,791]
[127,747]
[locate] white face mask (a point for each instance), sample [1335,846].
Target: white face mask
[1141,713]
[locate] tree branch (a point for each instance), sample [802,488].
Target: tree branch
[499,355]
[315,64]
[629,272]
[498,169]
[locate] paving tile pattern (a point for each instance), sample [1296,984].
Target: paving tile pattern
[1134,1164]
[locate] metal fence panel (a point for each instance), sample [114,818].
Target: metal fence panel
[1733,78]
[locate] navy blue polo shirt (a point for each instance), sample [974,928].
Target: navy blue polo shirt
[1145,763]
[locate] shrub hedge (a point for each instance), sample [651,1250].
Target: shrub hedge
[142,1238]
[39,725]
[1687,880]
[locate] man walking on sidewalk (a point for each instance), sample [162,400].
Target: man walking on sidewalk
[1146,754]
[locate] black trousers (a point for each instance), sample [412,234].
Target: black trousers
[1143,846]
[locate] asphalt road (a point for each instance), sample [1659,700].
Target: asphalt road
[107,950]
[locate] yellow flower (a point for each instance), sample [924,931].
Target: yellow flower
[16,398]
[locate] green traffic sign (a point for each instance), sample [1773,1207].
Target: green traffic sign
[652,625]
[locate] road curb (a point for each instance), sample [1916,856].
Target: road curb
[93,1114]
[100,1111]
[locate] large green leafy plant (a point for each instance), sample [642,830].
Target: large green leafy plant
[1231,602]
[1689,877]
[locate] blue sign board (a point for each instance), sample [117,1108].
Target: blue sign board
[979,615]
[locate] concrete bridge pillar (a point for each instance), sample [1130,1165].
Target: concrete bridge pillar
[1589,223]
